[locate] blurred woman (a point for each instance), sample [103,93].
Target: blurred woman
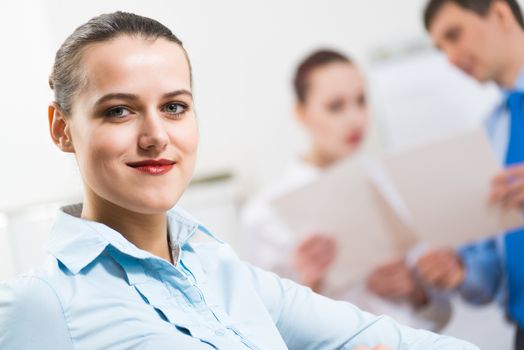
[332,105]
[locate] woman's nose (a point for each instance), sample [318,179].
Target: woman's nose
[153,133]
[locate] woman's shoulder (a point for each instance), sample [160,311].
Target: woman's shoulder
[31,312]
[29,296]
[214,253]
[27,291]
[296,175]
[40,285]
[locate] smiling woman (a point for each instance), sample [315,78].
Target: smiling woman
[122,272]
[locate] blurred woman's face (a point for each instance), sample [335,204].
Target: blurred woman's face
[335,110]
[133,128]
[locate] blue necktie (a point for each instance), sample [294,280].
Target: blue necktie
[514,240]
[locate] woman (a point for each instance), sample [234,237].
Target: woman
[122,273]
[331,104]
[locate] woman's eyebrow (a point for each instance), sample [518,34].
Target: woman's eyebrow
[116,95]
[178,93]
[133,97]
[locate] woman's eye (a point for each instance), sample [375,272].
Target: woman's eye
[362,102]
[175,108]
[336,106]
[117,112]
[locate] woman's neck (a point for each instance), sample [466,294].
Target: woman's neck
[319,159]
[146,231]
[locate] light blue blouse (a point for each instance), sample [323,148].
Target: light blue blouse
[99,291]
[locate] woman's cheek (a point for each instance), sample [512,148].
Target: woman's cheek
[118,134]
[186,139]
[108,146]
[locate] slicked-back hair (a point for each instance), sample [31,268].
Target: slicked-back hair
[67,75]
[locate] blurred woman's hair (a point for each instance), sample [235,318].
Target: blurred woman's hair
[317,59]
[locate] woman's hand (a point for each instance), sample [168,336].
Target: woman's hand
[395,280]
[441,268]
[378,347]
[507,188]
[312,258]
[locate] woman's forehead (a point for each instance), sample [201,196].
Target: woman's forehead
[337,77]
[131,63]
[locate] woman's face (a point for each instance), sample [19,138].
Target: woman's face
[335,111]
[132,127]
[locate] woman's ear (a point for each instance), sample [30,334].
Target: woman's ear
[300,112]
[59,128]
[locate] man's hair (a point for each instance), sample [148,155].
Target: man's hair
[480,7]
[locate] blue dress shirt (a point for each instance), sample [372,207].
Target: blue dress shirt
[485,279]
[99,291]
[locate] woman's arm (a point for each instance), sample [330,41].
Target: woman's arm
[309,321]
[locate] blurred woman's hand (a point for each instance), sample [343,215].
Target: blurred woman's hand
[395,280]
[441,268]
[312,259]
[378,347]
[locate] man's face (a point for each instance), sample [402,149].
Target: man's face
[471,42]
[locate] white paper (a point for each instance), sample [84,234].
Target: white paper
[377,209]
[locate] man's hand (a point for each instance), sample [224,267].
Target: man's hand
[507,188]
[441,268]
[312,258]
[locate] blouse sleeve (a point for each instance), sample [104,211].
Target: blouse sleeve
[31,316]
[307,320]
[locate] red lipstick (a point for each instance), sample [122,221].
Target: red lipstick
[354,138]
[153,166]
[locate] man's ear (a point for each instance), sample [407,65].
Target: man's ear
[59,128]
[503,13]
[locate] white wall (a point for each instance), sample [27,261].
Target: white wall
[421,98]
[6,260]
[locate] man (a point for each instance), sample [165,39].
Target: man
[485,39]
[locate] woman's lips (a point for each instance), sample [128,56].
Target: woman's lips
[153,166]
[354,139]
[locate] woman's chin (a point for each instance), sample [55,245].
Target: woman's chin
[150,205]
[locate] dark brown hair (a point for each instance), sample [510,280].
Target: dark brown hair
[480,7]
[67,76]
[313,61]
